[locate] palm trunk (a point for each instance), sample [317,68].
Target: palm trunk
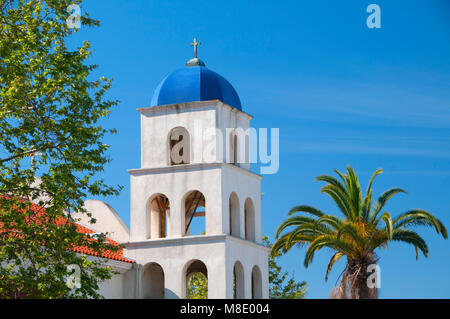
[354,283]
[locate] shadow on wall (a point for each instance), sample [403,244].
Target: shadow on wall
[169,294]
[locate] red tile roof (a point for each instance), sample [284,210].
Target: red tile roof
[108,254]
[114,255]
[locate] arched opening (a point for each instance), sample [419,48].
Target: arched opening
[179,146]
[249,220]
[238,281]
[235,226]
[195,213]
[256,283]
[158,217]
[234,148]
[196,280]
[152,282]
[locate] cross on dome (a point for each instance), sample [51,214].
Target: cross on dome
[195,61]
[195,44]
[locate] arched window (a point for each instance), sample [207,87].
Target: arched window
[196,280]
[195,213]
[249,220]
[158,216]
[238,281]
[179,146]
[152,282]
[235,220]
[234,148]
[256,283]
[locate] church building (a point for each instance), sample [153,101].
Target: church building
[195,170]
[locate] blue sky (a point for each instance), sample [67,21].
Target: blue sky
[339,92]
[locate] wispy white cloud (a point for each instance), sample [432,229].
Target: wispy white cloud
[347,101]
[342,148]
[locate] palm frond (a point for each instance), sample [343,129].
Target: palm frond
[359,232]
[307,209]
[420,217]
[381,201]
[332,221]
[377,239]
[333,181]
[412,238]
[311,230]
[341,200]
[294,221]
[280,244]
[330,241]
[351,230]
[333,260]
[386,217]
[355,193]
[367,202]
[375,174]
[343,178]
[317,244]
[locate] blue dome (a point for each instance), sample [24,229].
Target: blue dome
[195,83]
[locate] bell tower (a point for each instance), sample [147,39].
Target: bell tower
[195,204]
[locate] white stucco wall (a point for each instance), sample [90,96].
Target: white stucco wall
[200,119]
[227,120]
[216,180]
[219,253]
[175,182]
[249,255]
[174,254]
[121,285]
[113,288]
[107,220]
[246,185]
[157,122]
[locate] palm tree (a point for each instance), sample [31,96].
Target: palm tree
[363,228]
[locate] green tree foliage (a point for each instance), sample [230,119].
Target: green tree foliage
[279,286]
[364,226]
[197,287]
[49,114]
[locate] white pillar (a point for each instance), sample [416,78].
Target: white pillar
[173,278]
[176,218]
[248,281]
[242,218]
[228,284]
